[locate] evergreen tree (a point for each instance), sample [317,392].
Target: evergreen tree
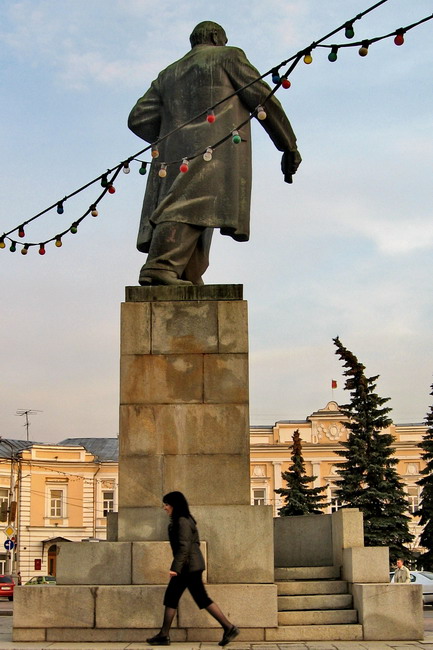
[299,498]
[369,480]
[426,505]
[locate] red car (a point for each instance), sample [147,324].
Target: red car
[7,585]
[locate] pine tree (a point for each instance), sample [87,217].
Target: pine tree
[369,480]
[299,498]
[426,505]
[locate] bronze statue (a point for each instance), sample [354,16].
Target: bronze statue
[180,210]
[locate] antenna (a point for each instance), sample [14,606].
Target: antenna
[27,412]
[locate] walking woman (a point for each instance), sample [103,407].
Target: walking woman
[186,570]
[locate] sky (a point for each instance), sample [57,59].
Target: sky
[345,251]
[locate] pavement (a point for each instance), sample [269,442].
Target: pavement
[6,641]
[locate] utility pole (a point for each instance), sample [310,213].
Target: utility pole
[27,412]
[12,506]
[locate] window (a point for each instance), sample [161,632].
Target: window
[4,495]
[335,504]
[107,502]
[56,493]
[413,496]
[56,503]
[259,496]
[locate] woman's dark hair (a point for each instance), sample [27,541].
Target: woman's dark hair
[179,504]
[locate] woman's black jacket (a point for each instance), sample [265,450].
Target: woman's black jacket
[185,544]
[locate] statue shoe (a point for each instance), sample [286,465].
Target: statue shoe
[159,276]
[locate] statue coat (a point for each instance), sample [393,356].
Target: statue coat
[212,194]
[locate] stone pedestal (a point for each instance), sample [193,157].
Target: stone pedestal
[183,426]
[183,397]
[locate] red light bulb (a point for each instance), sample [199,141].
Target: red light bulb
[399,39]
[210,117]
[286,83]
[184,166]
[111,189]
[41,249]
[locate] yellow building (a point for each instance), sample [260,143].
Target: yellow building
[321,433]
[63,491]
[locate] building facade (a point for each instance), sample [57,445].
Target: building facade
[321,434]
[63,492]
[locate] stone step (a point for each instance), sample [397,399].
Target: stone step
[328,601]
[314,633]
[312,587]
[318,617]
[306,573]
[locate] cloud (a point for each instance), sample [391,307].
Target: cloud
[394,238]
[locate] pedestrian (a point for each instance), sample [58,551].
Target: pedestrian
[186,571]
[181,210]
[401,574]
[19,580]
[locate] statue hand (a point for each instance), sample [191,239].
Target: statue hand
[289,164]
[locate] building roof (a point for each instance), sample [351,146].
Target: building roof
[11,447]
[104,449]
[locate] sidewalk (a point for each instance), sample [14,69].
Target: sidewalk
[6,643]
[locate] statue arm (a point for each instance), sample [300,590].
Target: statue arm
[145,118]
[277,125]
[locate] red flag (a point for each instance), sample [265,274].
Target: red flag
[334,384]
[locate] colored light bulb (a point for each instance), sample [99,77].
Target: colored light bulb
[155,152]
[143,169]
[111,189]
[399,39]
[207,156]
[104,180]
[93,211]
[236,138]
[363,50]
[332,56]
[74,228]
[13,247]
[349,32]
[21,232]
[261,113]
[163,171]
[184,166]
[58,242]
[276,76]
[60,209]
[41,249]
[210,117]
[126,168]
[2,243]
[286,83]
[308,58]
[25,249]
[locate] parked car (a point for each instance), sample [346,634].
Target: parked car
[41,580]
[7,585]
[424,578]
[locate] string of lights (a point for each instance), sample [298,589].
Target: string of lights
[108,178]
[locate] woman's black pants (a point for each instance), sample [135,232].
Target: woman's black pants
[194,583]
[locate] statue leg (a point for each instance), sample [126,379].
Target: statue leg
[199,260]
[172,248]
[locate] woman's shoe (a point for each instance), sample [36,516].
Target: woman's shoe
[159,639]
[229,635]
